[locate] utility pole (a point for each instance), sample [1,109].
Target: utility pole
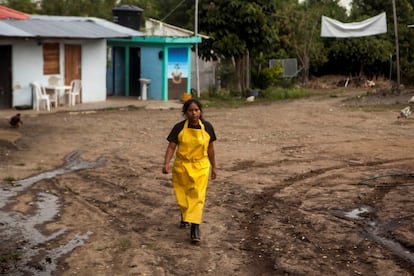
[196,48]
[397,48]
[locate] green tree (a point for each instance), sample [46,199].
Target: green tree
[363,56]
[178,13]
[91,8]
[299,32]
[237,29]
[405,16]
[26,6]
[150,7]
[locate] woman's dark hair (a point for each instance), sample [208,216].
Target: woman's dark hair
[187,104]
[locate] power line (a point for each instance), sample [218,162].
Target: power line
[173,10]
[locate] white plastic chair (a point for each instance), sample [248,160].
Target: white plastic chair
[53,81]
[40,97]
[75,92]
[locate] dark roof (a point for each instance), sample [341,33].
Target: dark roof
[41,26]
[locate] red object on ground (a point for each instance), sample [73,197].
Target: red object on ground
[7,13]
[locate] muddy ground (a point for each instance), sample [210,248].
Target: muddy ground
[316,186]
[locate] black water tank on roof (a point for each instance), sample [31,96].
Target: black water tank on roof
[128,16]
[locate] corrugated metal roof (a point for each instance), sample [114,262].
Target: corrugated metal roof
[8,30]
[64,27]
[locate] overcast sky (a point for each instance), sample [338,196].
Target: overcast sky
[344,3]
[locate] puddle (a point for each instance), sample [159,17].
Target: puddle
[377,231]
[23,231]
[354,214]
[73,162]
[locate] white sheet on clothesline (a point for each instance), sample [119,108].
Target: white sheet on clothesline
[371,26]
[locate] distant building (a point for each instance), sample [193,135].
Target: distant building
[159,65]
[41,48]
[207,69]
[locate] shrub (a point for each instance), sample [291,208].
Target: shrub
[268,77]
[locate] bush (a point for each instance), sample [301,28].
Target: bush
[268,77]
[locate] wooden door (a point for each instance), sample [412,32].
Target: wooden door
[73,64]
[5,77]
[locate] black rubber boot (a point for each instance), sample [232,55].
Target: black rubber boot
[184,224]
[195,233]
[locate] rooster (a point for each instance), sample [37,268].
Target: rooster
[404,113]
[16,120]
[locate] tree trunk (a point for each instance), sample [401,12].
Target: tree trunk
[305,70]
[238,71]
[243,72]
[248,75]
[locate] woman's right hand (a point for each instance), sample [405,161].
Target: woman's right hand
[166,169]
[168,155]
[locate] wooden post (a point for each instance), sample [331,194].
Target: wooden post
[397,49]
[196,48]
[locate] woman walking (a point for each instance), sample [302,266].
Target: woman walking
[195,158]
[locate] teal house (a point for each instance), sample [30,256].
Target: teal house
[150,67]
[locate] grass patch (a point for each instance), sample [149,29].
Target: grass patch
[109,109]
[123,244]
[232,99]
[232,102]
[377,107]
[285,94]
[9,257]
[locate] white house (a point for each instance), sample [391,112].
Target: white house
[50,48]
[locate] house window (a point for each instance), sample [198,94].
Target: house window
[51,58]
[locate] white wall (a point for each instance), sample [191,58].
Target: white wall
[27,66]
[94,71]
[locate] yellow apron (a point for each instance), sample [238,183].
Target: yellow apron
[190,172]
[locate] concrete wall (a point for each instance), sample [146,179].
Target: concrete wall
[94,71]
[207,73]
[151,68]
[27,66]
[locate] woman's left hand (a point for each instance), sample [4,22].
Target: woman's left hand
[213,173]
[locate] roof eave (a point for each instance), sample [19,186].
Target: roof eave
[62,37]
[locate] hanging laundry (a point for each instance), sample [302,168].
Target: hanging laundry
[371,26]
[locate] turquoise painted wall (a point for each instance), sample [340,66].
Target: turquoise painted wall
[119,63]
[151,68]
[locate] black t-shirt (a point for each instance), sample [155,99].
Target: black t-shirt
[173,136]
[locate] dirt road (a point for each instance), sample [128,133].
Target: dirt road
[304,187]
